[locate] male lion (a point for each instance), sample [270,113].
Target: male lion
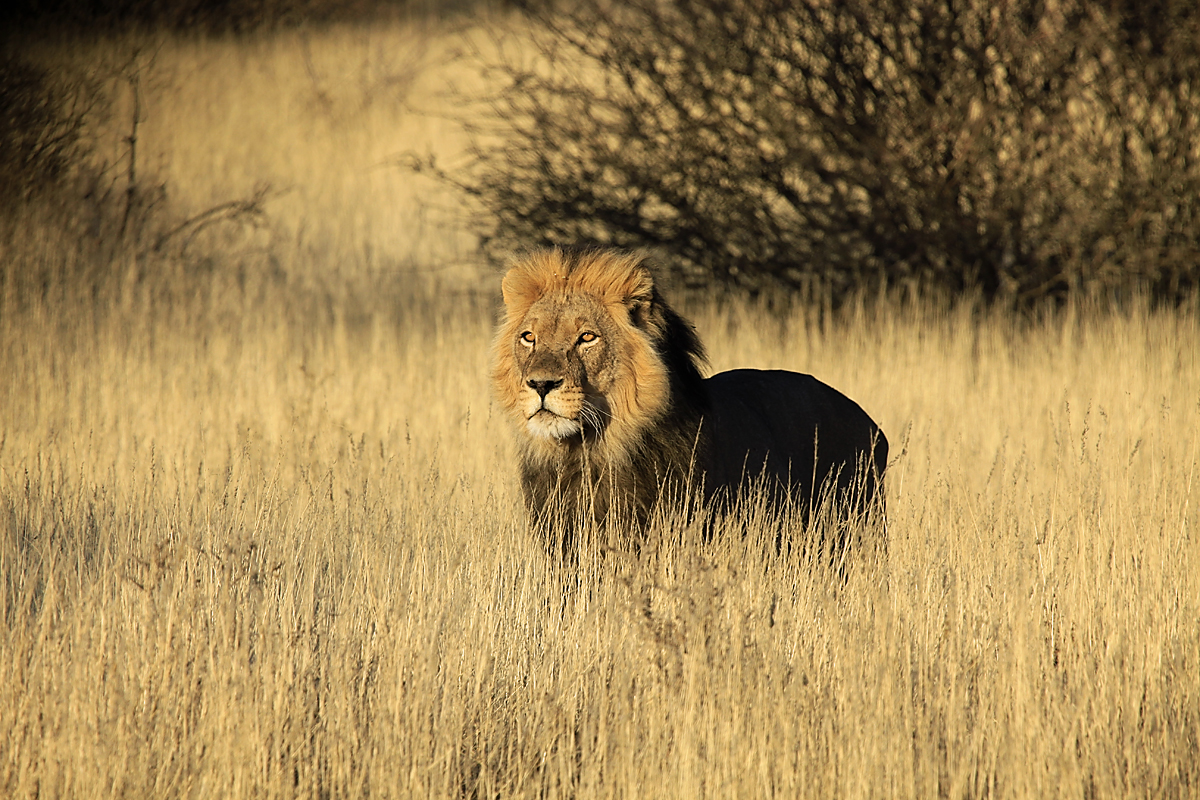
[601,377]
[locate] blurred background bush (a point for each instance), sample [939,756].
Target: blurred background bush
[1026,150]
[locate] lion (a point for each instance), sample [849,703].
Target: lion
[602,380]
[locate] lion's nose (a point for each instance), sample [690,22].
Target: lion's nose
[544,388]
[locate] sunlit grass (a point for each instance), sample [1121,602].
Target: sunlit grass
[253,554]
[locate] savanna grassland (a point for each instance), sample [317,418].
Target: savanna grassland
[260,535]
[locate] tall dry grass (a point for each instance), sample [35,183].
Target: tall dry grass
[260,536]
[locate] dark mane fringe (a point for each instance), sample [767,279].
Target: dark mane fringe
[683,354]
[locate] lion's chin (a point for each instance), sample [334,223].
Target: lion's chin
[547,424]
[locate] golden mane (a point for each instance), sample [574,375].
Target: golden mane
[647,391]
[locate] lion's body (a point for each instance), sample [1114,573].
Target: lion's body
[602,378]
[799,437]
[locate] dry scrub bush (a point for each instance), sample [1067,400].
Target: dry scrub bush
[40,130]
[1027,149]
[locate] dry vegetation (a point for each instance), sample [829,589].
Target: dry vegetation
[258,536]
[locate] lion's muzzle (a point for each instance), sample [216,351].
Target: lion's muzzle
[550,408]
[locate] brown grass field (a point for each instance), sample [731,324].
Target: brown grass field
[260,534]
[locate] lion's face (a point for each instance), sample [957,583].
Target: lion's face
[576,358]
[564,351]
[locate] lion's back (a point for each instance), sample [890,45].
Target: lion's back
[794,429]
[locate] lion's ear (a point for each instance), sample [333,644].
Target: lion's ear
[507,288]
[638,296]
[640,312]
[520,289]
[531,276]
[649,314]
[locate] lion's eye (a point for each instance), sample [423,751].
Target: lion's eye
[587,337]
[527,338]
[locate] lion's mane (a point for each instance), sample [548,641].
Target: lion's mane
[647,444]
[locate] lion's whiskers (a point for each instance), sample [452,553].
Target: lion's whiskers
[594,417]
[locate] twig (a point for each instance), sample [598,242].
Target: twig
[131,186]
